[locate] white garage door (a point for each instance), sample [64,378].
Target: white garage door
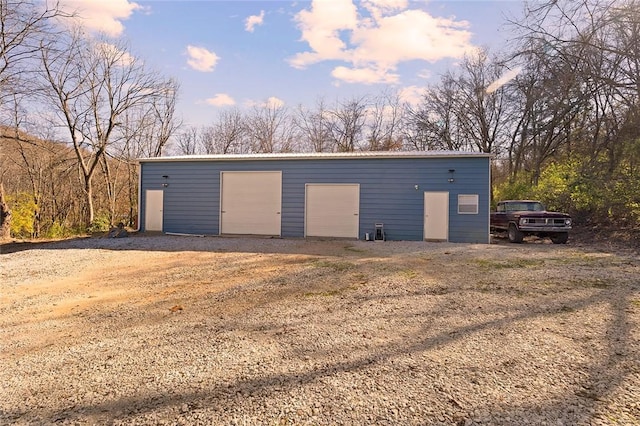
[250,203]
[332,210]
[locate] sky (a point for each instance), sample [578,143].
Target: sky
[248,53]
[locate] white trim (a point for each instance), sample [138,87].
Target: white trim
[139,196]
[320,156]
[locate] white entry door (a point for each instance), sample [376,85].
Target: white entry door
[153,216]
[251,203]
[332,210]
[436,216]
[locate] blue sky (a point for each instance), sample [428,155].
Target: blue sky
[247,53]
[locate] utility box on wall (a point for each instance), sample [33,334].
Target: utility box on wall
[379,232]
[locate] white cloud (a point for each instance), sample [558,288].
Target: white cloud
[101,16]
[504,79]
[321,28]
[220,100]
[364,75]
[378,7]
[253,20]
[271,102]
[410,35]
[274,102]
[201,59]
[412,95]
[375,43]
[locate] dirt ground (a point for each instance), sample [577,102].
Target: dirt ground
[182,330]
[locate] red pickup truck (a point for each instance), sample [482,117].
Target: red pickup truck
[527,217]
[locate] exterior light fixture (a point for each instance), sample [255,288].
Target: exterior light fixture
[451,172]
[416,187]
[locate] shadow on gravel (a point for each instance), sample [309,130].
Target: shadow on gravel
[155,242]
[602,378]
[18,246]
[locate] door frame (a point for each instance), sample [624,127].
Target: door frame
[443,209]
[149,214]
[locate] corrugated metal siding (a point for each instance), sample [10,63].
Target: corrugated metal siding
[387,193]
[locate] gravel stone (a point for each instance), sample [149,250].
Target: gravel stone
[150,330]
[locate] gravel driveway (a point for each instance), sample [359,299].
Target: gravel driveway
[246,331]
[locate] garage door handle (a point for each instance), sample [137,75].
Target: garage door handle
[277,212]
[355,214]
[223,211]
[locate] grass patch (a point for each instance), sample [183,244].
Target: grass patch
[593,282]
[359,278]
[354,249]
[592,260]
[409,274]
[338,266]
[507,264]
[329,292]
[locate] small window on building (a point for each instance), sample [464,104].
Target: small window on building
[468,204]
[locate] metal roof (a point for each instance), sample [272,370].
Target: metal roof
[318,156]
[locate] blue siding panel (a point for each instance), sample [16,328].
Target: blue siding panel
[387,192]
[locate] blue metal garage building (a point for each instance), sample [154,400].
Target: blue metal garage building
[426,195]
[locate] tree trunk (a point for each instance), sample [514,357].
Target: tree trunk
[5,217]
[88,190]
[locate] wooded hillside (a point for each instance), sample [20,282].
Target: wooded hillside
[43,188]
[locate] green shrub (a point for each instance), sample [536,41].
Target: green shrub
[101,223]
[519,189]
[23,210]
[583,187]
[57,230]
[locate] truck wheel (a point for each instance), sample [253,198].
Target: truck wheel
[560,238]
[515,236]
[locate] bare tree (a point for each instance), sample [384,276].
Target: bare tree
[39,172]
[91,86]
[439,116]
[206,140]
[436,123]
[270,128]
[312,127]
[152,124]
[146,132]
[480,111]
[24,27]
[385,119]
[187,141]
[582,82]
[345,124]
[227,135]
[5,215]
